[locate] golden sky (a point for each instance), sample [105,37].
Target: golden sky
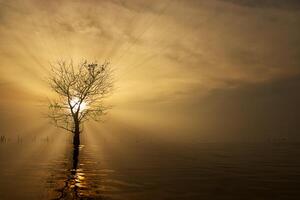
[217,66]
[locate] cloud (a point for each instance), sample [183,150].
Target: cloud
[166,52]
[278,4]
[263,110]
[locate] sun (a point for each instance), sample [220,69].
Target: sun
[75,104]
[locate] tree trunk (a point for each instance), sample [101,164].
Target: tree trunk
[75,158]
[76,143]
[76,138]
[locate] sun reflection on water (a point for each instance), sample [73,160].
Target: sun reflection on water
[75,182]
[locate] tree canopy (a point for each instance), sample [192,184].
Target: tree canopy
[80,91]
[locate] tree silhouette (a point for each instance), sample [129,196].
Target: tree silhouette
[80,91]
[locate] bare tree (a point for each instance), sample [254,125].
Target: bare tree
[80,91]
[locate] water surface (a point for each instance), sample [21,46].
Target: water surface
[143,172]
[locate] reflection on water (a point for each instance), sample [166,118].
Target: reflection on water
[144,172]
[75,181]
[68,179]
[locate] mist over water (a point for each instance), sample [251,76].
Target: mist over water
[142,170]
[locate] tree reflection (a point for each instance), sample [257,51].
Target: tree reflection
[75,180]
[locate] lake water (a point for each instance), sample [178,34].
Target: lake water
[43,170]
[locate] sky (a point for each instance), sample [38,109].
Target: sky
[183,69]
